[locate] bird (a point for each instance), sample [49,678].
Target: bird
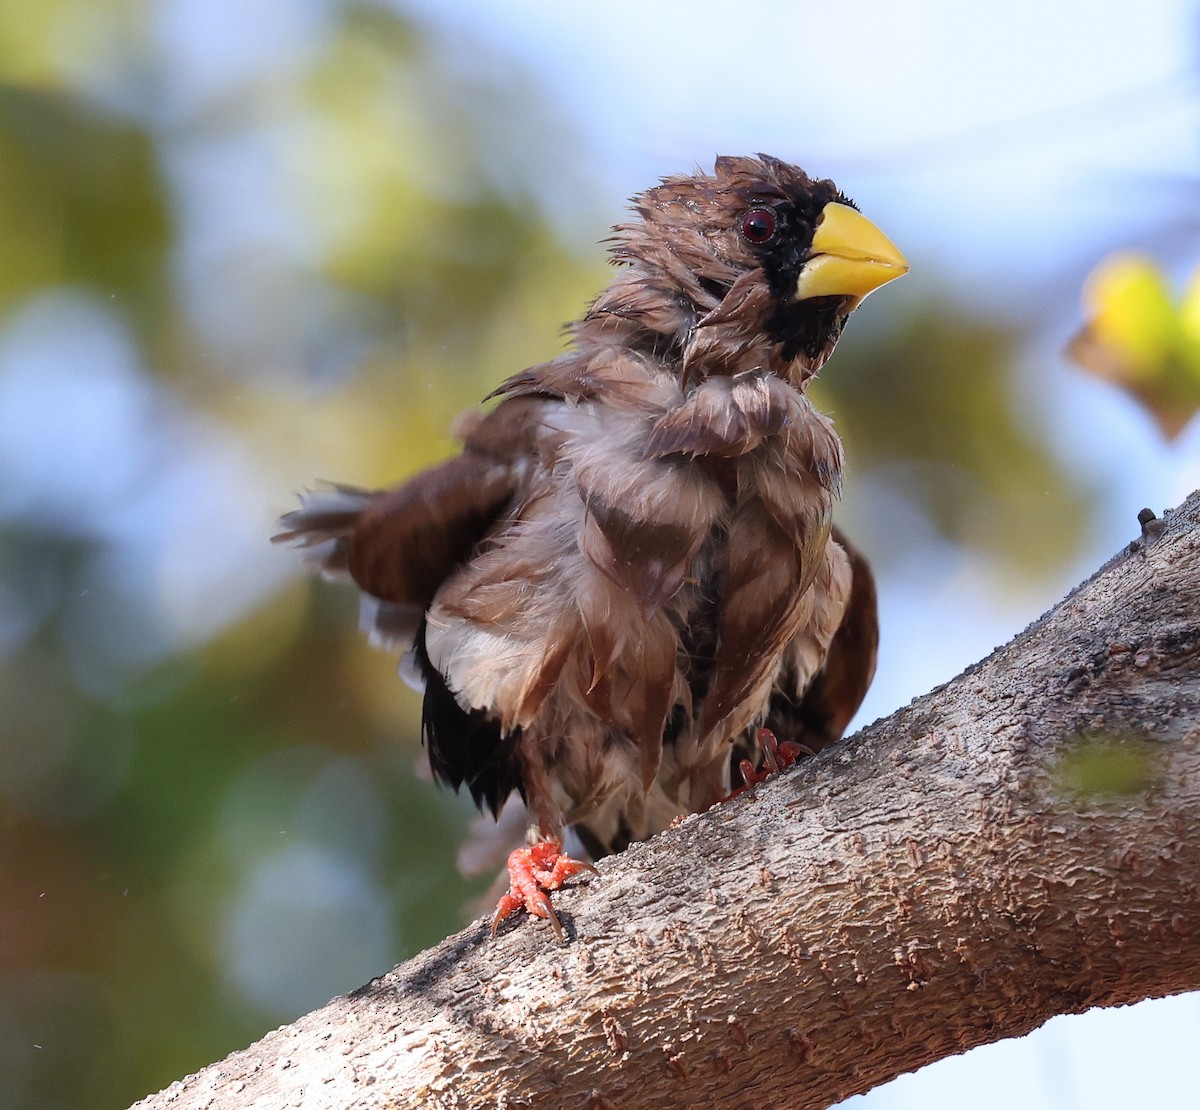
[631,566]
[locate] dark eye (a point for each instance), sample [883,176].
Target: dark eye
[758,225]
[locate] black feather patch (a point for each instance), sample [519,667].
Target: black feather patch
[809,328]
[465,746]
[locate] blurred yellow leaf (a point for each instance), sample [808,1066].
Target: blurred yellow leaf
[1139,338]
[1189,322]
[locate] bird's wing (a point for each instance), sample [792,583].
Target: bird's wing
[399,545]
[816,716]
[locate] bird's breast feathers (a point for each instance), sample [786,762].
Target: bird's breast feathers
[643,520]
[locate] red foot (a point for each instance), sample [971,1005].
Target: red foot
[776,757]
[531,872]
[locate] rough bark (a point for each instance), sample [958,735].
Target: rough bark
[1019,843]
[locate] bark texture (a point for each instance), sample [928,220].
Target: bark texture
[1019,843]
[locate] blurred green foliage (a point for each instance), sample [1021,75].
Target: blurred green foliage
[931,412]
[209,817]
[82,200]
[1093,769]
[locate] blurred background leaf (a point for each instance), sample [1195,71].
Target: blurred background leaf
[249,245]
[1139,338]
[1094,770]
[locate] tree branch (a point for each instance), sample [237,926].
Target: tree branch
[1016,844]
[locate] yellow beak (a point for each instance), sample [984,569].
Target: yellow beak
[850,257]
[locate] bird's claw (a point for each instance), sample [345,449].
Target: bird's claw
[532,872]
[776,757]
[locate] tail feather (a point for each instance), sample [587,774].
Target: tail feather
[322,526]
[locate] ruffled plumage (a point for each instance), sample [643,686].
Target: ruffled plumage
[632,562]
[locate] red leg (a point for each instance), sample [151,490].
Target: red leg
[776,757]
[532,872]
